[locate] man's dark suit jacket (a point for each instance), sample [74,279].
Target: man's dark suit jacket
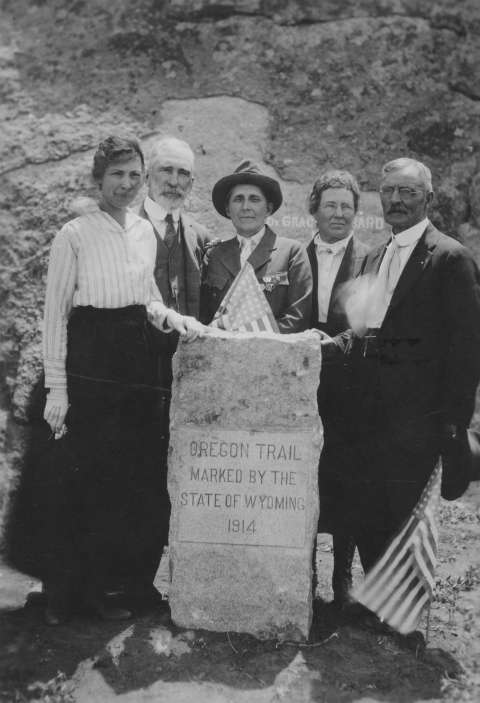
[193,238]
[282,269]
[422,370]
[189,258]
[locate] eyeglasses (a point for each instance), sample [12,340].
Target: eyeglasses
[332,207]
[404,192]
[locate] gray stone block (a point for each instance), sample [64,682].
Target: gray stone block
[245,439]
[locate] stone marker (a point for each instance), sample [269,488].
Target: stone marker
[245,440]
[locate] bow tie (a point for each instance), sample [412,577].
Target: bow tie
[325,248]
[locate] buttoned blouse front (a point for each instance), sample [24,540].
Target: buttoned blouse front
[94,261]
[329,260]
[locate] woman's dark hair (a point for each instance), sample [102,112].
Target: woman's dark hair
[333,179]
[114,149]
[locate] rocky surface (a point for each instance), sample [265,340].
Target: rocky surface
[242,532]
[297,85]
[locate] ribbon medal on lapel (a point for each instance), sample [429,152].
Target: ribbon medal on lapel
[273,280]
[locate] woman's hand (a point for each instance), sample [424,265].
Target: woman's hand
[167,320]
[188,327]
[157,314]
[56,409]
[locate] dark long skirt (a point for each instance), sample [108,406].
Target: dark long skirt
[93,507]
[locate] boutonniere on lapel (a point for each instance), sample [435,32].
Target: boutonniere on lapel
[273,280]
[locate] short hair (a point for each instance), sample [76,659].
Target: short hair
[169,146]
[112,149]
[333,178]
[405,161]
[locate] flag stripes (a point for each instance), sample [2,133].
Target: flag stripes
[402,581]
[244,307]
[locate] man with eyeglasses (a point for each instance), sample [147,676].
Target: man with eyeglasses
[416,368]
[336,256]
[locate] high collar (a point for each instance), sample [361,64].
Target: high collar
[334,247]
[411,235]
[157,212]
[254,240]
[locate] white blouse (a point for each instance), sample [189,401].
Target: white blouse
[94,261]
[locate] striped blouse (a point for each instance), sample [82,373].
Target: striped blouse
[94,261]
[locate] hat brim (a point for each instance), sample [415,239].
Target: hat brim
[269,187]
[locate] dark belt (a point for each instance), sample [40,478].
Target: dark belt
[130,312]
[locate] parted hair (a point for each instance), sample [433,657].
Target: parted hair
[333,178]
[112,149]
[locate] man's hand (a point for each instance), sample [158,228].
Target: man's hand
[334,348]
[188,327]
[56,409]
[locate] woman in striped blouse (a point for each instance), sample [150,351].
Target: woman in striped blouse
[100,369]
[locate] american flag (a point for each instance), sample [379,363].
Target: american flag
[402,581]
[245,308]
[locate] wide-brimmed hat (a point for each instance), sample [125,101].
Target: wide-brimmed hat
[249,173]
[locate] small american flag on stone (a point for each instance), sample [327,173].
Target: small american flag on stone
[245,308]
[402,581]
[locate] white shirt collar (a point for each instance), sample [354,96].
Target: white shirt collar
[412,234]
[131,218]
[254,240]
[334,247]
[157,212]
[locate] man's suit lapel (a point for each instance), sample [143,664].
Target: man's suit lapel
[414,268]
[374,260]
[262,252]
[190,238]
[312,255]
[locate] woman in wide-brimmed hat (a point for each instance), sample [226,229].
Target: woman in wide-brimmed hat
[248,197]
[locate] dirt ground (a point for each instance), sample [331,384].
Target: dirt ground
[149,659]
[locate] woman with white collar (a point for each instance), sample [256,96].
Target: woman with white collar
[100,369]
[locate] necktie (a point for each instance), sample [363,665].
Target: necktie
[245,249]
[170,231]
[392,266]
[377,297]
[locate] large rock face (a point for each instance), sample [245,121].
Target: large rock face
[295,85]
[245,442]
